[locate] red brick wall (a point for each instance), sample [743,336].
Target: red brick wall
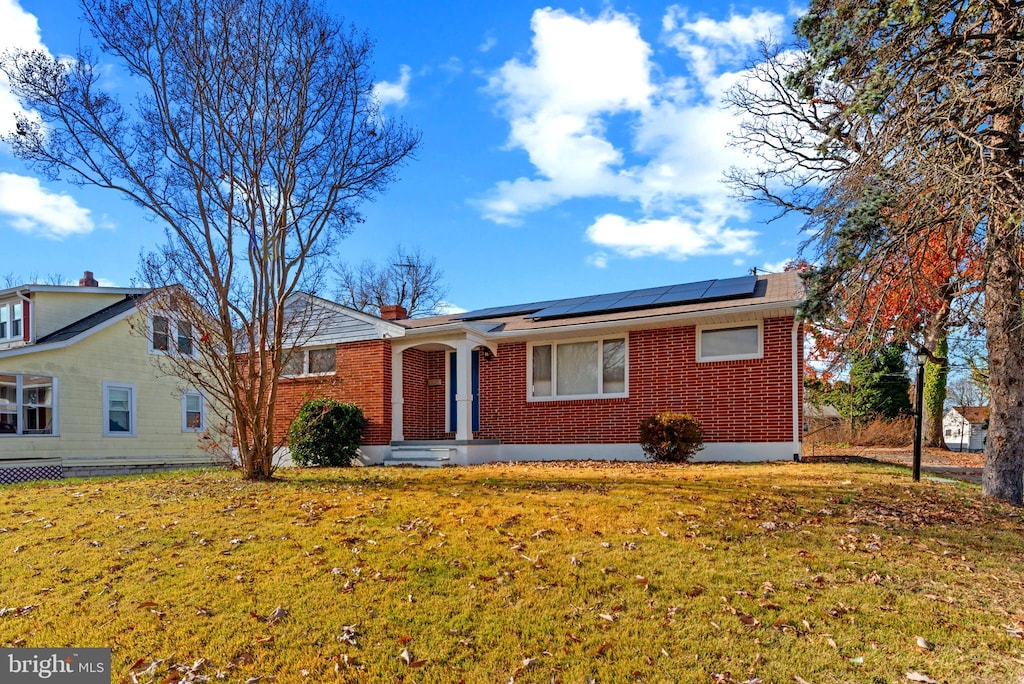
[362,377]
[423,392]
[737,401]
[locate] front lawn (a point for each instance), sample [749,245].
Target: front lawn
[533,573]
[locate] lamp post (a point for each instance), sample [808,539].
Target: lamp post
[921,356]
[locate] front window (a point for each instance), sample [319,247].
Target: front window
[729,343]
[309,362]
[27,405]
[585,369]
[118,410]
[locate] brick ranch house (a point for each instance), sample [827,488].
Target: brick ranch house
[563,379]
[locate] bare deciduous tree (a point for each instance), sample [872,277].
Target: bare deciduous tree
[252,140]
[886,127]
[407,278]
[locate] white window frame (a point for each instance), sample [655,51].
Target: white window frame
[185,427]
[759,324]
[173,333]
[8,309]
[133,417]
[624,336]
[305,363]
[19,407]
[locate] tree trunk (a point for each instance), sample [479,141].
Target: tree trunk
[1003,475]
[936,372]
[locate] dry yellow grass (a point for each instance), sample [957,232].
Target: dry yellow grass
[784,573]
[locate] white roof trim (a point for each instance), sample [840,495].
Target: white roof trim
[73,289]
[48,346]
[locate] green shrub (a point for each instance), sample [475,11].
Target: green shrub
[326,433]
[671,437]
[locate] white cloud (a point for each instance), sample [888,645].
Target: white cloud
[447,308]
[31,208]
[709,45]
[598,260]
[18,30]
[598,118]
[777,267]
[674,237]
[390,92]
[488,43]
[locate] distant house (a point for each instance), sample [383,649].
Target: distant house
[564,379]
[965,428]
[78,392]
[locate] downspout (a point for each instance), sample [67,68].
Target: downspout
[796,390]
[26,317]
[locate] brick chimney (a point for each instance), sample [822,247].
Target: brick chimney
[393,312]
[88,281]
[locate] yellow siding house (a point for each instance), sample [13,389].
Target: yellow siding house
[81,394]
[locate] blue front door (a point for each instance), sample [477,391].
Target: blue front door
[452,389]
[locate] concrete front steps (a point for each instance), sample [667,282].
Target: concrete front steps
[437,453]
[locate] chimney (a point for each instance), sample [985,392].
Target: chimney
[393,312]
[88,281]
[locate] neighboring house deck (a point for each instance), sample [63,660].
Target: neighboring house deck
[965,428]
[79,394]
[564,379]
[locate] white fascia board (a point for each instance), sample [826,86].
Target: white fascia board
[33,348]
[73,289]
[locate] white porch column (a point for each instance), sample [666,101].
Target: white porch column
[463,390]
[397,399]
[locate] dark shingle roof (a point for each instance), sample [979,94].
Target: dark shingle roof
[92,320]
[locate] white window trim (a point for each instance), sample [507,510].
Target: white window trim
[185,427]
[554,365]
[132,416]
[305,363]
[732,357]
[19,405]
[9,307]
[172,335]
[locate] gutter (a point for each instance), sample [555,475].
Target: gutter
[797,363]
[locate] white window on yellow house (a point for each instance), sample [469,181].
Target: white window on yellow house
[11,319]
[193,412]
[170,335]
[28,405]
[119,417]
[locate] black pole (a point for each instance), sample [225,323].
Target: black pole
[918,420]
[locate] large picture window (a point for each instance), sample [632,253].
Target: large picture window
[729,342]
[578,370]
[28,405]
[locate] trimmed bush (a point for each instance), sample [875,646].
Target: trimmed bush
[326,433]
[671,437]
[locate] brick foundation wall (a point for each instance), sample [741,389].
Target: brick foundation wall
[362,377]
[737,401]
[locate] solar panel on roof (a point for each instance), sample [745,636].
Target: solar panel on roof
[731,287]
[668,295]
[501,311]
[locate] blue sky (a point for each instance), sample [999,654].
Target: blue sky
[567,149]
